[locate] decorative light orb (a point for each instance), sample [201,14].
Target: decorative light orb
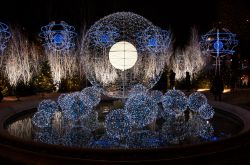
[219,42]
[174,100]
[196,100]
[75,105]
[141,109]
[58,36]
[144,139]
[93,95]
[118,124]
[123,55]
[45,111]
[42,119]
[114,57]
[218,45]
[4,35]
[206,111]
[156,95]
[48,106]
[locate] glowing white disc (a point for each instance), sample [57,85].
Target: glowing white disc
[123,55]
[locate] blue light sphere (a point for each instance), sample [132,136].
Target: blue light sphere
[174,101]
[42,119]
[206,111]
[196,100]
[118,124]
[93,94]
[156,95]
[218,45]
[75,105]
[48,106]
[141,109]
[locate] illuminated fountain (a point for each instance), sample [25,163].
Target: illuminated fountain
[124,56]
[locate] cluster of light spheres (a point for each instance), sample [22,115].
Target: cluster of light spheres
[130,127]
[118,47]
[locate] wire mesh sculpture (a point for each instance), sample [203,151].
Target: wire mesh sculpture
[218,43]
[59,43]
[4,36]
[131,28]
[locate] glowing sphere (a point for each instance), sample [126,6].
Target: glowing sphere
[174,101]
[218,45]
[196,100]
[48,106]
[42,119]
[117,124]
[93,95]
[206,111]
[123,55]
[141,109]
[115,59]
[75,105]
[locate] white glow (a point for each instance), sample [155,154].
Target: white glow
[123,55]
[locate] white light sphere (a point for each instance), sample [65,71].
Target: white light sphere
[115,58]
[123,55]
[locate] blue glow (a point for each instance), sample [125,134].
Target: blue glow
[58,39]
[218,45]
[152,42]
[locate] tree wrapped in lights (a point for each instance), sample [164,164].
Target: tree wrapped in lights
[58,43]
[189,59]
[128,31]
[22,60]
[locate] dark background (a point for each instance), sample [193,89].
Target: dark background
[177,15]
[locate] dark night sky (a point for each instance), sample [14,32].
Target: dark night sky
[178,15]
